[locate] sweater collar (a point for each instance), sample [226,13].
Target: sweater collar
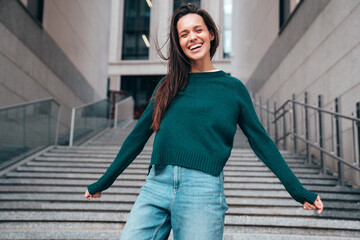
[219,73]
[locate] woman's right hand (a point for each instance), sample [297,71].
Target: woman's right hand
[316,205]
[95,195]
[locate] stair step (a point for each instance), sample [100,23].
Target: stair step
[261,171]
[331,206]
[245,177]
[135,190]
[91,226]
[131,197]
[111,216]
[68,216]
[126,207]
[146,160]
[294,222]
[125,184]
[139,183]
[247,236]
[60,234]
[282,233]
[115,234]
[107,154]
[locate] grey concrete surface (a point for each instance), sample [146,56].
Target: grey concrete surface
[43,198]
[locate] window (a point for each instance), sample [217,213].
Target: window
[287,8]
[140,87]
[136,29]
[227,27]
[179,3]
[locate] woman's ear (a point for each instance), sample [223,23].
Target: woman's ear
[212,36]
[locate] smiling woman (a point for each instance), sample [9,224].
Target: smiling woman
[194,110]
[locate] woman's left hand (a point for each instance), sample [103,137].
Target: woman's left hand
[316,205]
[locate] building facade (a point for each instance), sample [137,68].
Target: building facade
[54,49]
[291,47]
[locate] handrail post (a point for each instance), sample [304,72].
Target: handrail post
[115,115]
[284,128]
[49,123]
[268,115]
[57,126]
[339,142]
[295,124]
[108,114]
[72,128]
[321,135]
[24,128]
[358,131]
[307,128]
[275,124]
[261,110]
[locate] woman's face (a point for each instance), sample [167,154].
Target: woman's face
[194,37]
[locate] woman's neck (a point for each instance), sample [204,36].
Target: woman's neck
[202,66]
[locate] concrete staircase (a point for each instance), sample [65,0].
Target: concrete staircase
[43,198]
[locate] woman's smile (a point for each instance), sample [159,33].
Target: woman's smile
[195,47]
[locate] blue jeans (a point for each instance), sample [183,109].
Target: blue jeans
[189,201]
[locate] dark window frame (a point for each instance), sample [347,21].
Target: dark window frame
[137,55]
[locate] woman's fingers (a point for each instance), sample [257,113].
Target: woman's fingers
[95,195]
[317,205]
[87,194]
[309,206]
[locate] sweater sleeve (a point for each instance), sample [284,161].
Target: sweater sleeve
[131,148]
[267,150]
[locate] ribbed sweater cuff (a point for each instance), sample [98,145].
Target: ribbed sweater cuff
[309,196]
[93,188]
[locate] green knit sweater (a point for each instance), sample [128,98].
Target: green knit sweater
[197,131]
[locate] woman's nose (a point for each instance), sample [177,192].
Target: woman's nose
[193,35]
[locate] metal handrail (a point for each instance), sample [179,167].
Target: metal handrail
[30,102]
[88,104]
[288,108]
[331,154]
[316,108]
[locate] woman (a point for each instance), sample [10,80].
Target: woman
[194,110]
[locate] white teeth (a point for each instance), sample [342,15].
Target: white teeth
[195,46]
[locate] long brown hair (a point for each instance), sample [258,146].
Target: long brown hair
[179,64]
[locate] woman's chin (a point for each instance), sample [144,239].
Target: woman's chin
[196,57]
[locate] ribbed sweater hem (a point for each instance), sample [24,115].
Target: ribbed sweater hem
[188,159]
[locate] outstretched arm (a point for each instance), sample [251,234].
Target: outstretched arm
[267,151]
[131,148]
